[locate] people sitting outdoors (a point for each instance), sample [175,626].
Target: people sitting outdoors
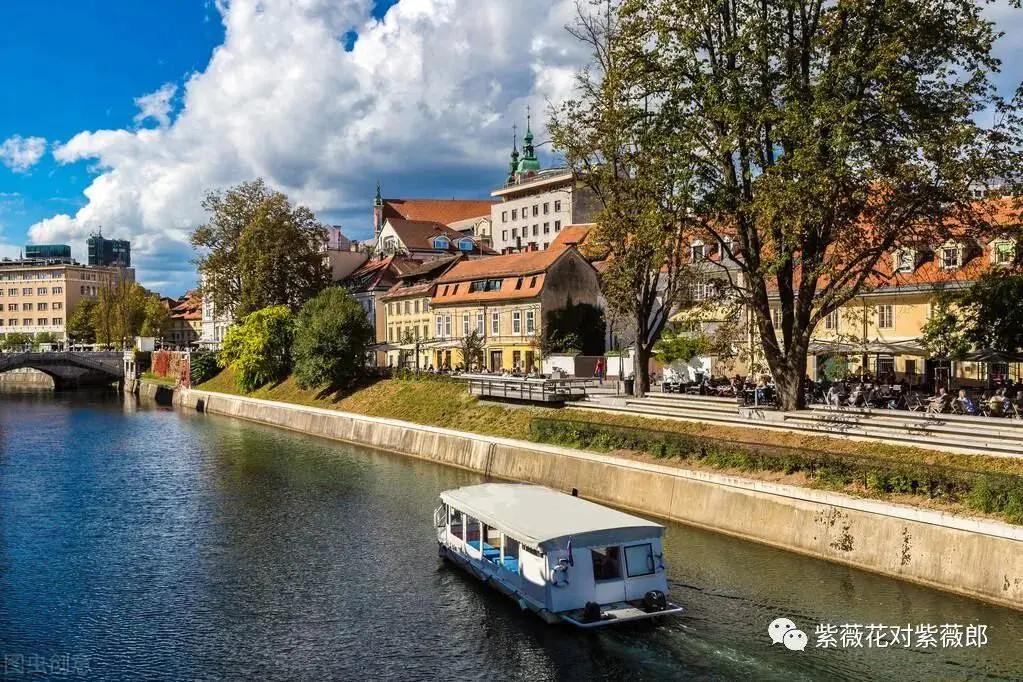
[940,402]
[999,405]
[965,404]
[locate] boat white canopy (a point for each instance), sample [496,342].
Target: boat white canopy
[548,519]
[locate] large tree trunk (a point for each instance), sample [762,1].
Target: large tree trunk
[789,372]
[641,368]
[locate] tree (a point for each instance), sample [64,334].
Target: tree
[17,341]
[332,338]
[812,138]
[471,349]
[579,326]
[156,320]
[259,347]
[44,337]
[682,346]
[944,335]
[618,151]
[257,250]
[80,329]
[993,315]
[119,313]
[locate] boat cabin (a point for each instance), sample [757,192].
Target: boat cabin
[564,557]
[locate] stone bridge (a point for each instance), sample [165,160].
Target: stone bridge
[68,368]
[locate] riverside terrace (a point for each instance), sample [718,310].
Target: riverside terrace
[946,432]
[529,389]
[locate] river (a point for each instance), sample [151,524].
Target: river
[140,542]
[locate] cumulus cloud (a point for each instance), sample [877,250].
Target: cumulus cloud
[425,100]
[21,153]
[156,105]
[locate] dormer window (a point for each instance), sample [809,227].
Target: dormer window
[441,243]
[465,245]
[1003,252]
[905,260]
[698,251]
[951,257]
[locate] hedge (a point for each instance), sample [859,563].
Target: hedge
[985,491]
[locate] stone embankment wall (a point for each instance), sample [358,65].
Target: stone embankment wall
[979,558]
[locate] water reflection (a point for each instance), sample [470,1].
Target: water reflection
[171,545]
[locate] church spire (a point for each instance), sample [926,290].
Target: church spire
[514,165]
[529,165]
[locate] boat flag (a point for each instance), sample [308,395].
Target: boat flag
[571,562]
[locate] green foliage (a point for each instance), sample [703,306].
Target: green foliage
[259,347]
[682,346]
[987,492]
[471,350]
[257,250]
[120,313]
[836,367]
[994,316]
[944,335]
[80,328]
[805,140]
[203,367]
[16,341]
[331,341]
[156,319]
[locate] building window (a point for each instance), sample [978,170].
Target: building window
[417,305]
[27,291]
[12,306]
[557,206]
[480,324]
[504,216]
[440,326]
[1003,252]
[465,324]
[504,235]
[885,365]
[12,292]
[831,320]
[41,307]
[546,207]
[426,331]
[26,322]
[426,306]
[465,245]
[26,306]
[698,252]
[58,305]
[41,291]
[536,230]
[546,228]
[515,232]
[950,259]
[441,243]
[515,214]
[530,321]
[906,261]
[557,225]
[485,285]
[546,244]
[702,291]
[495,324]
[536,209]
[516,323]
[885,316]
[13,322]
[447,325]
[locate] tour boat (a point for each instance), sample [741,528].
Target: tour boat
[560,556]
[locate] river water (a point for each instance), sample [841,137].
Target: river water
[139,542]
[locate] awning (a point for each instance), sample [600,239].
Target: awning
[875,347]
[989,355]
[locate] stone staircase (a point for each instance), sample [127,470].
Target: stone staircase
[942,432]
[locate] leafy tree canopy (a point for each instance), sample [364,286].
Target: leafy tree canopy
[259,347]
[257,250]
[332,338]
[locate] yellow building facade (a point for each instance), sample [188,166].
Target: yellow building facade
[505,299]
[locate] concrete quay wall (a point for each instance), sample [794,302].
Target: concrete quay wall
[978,558]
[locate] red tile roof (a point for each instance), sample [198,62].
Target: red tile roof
[444,211]
[513,264]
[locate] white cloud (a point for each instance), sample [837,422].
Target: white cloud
[21,153]
[428,93]
[156,105]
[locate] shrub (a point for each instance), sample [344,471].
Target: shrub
[331,341]
[259,347]
[988,492]
[203,367]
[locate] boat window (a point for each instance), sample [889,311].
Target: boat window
[455,519]
[639,560]
[472,530]
[607,564]
[491,544]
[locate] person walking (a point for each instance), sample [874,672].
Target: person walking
[600,371]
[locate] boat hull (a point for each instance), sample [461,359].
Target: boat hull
[612,614]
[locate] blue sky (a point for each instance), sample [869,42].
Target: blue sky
[121,114]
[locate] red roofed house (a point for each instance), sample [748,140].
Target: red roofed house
[422,228]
